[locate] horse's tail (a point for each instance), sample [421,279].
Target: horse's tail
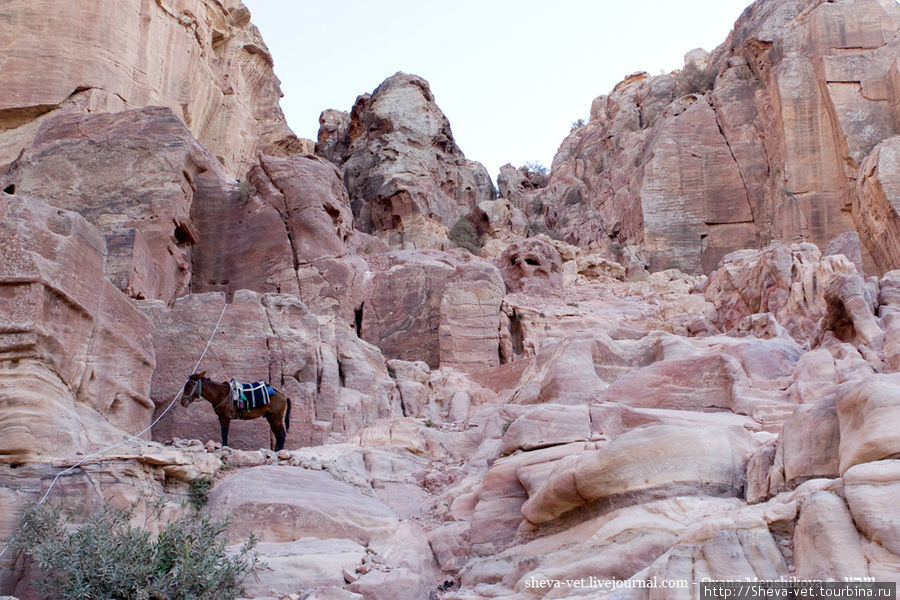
[287,416]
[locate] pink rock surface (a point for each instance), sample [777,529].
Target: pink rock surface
[403,169]
[131,175]
[302,503]
[753,143]
[787,281]
[58,309]
[337,383]
[434,307]
[204,60]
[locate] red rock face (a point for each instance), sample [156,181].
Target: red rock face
[202,59]
[876,203]
[531,265]
[337,383]
[73,344]
[439,308]
[408,179]
[768,150]
[132,175]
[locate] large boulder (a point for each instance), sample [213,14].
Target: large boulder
[787,281]
[440,308]
[825,523]
[531,265]
[644,463]
[285,504]
[808,446]
[869,488]
[867,412]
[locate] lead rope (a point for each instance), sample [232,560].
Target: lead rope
[125,441]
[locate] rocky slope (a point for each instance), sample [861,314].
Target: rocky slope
[465,425]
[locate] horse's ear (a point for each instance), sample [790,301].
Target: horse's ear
[201,375]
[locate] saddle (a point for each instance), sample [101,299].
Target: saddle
[248,396]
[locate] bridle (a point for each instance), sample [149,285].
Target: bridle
[196,391]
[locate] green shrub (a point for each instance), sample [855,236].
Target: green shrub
[536,168]
[107,558]
[465,236]
[694,80]
[198,491]
[577,125]
[538,227]
[573,197]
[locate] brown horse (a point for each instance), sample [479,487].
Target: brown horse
[277,412]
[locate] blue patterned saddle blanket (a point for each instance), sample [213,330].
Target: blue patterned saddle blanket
[247,396]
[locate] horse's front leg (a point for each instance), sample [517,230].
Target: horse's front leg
[223,423]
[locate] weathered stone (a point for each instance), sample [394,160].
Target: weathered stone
[531,265]
[869,488]
[699,383]
[303,564]
[420,307]
[825,523]
[336,382]
[334,135]
[547,425]
[203,60]
[850,312]
[404,170]
[496,515]
[648,460]
[756,144]
[130,174]
[691,184]
[69,324]
[808,446]
[787,281]
[867,412]
[285,504]
[237,227]
[727,546]
[847,244]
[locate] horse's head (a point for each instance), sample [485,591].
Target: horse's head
[193,388]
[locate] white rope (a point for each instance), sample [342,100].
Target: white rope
[127,440]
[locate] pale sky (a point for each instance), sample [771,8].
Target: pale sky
[511,75]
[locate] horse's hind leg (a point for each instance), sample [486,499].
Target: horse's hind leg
[277,427]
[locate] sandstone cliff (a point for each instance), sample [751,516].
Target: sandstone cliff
[782,133]
[203,59]
[467,423]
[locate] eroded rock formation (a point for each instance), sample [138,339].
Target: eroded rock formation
[203,59]
[463,427]
[408,179]
[785,132]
